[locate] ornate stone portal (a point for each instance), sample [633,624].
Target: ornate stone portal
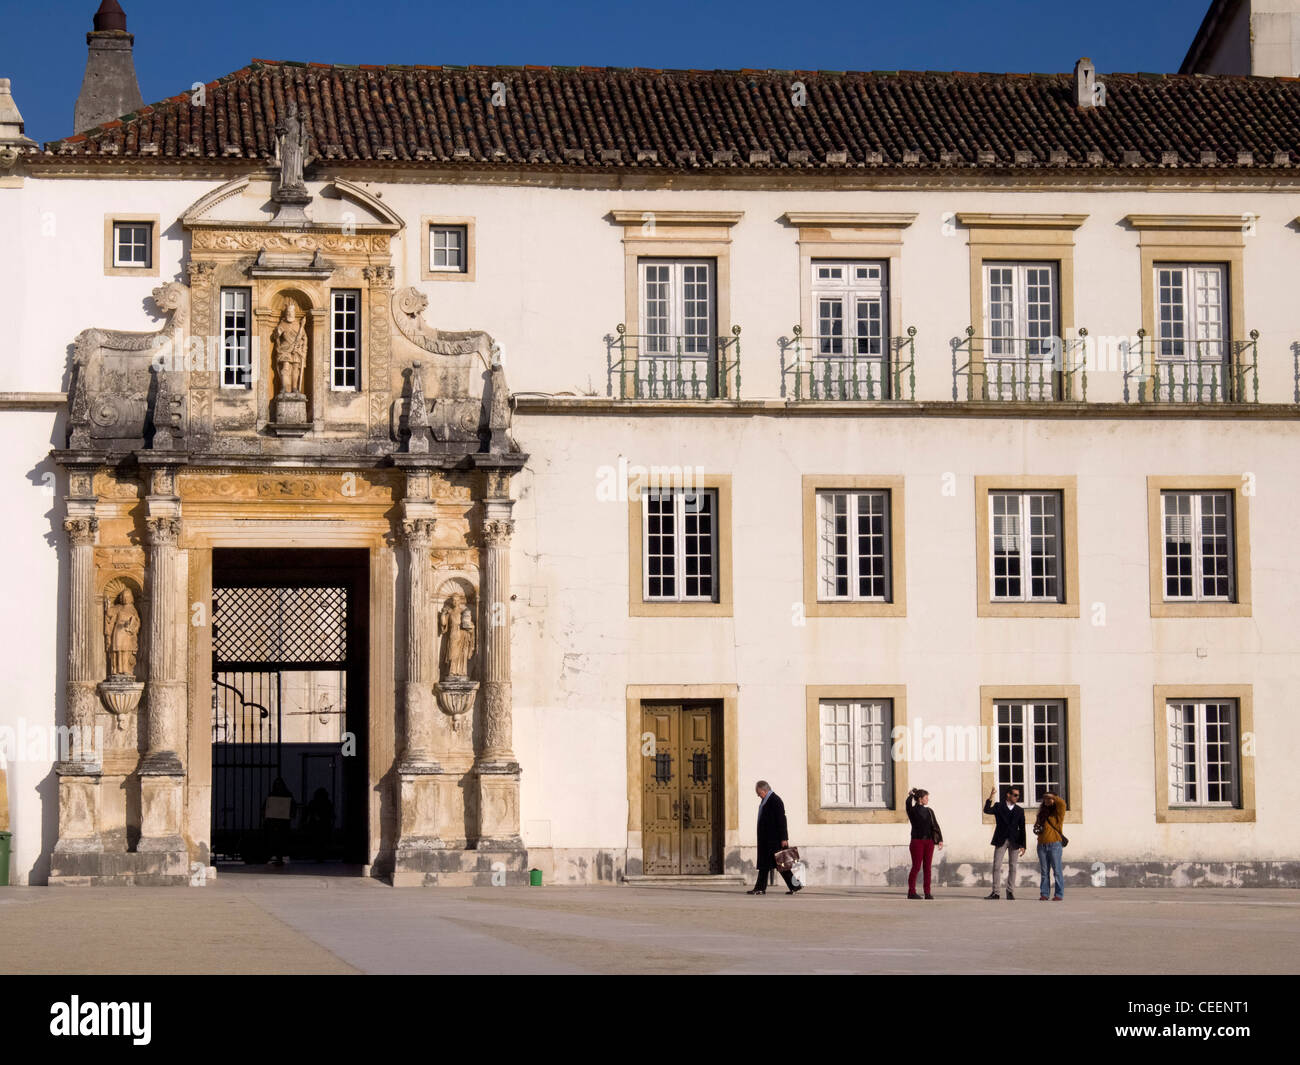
[233,425]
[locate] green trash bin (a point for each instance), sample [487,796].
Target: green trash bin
[534,875]
[5,837]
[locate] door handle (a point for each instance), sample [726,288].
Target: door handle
[676,809]
[686,816]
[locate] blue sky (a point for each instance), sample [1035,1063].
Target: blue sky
[43,44]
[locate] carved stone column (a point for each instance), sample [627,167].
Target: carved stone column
[79,767]
[496,770]
[85,628]
[421,671]
[419,776]
[162,775]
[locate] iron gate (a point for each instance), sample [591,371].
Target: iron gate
[266,639]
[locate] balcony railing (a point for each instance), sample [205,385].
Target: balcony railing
[1192,371]
[1019,369]
[662,366]
[840,367]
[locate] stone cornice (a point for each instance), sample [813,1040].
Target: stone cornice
[832,219]
[862,178]
[677,218]
[573,406]
[1185,221]
[1012,220]
[51,401]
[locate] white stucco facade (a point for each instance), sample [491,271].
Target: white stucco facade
[550,283]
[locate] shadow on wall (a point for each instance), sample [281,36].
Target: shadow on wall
[46,477]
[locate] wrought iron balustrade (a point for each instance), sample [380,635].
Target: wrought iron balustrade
[847,368]
[1192,371]
[664,366]
[1019,369]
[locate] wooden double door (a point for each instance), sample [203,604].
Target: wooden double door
[681,802]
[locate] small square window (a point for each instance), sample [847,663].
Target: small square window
[448,249]
[133,245]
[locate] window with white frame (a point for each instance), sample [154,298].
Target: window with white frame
[1203,769]
[448,249]
[853,547]
[133,244]
[1022,334]
[236,359]
[1031,754]
[1026,547]
[851,304]
[856,762]
[680,538]
[1020,307]
[677,306]
[1192,324]
[1198,546]
[345,333]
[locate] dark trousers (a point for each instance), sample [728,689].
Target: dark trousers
[922,851]
[761,883]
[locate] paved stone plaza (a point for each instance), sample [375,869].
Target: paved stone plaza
[252,923]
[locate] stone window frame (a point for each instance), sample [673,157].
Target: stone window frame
[1162,608]
[985,606]
[836,815]
[1244,696]
[1194,240]
[1069,694]
[638,606]
[1021,238]
[673,234]
[850,236]
[893,484]
[468,224]
[110,242]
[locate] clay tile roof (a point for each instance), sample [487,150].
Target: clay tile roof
[586,117]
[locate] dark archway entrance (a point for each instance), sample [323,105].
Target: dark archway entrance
[289,701]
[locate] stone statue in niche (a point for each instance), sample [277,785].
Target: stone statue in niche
[290,350]
[122,634]
[456,623]
[289,362]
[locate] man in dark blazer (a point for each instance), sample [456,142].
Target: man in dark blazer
[773,835]
[1008,836]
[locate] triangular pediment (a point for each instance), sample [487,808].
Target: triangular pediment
[334,205]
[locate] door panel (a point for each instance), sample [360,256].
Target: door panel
[682,795]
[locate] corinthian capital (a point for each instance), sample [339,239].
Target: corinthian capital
[163,530]
[418,531]
[497,531]
[81,531]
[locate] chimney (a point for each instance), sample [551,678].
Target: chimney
[11,120]
[1086,94]
[109,89]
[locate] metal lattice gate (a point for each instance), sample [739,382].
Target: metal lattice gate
[279,699]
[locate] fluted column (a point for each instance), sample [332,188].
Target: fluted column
[420,778]
[495,599]
[78,848]
[496,770]
[162,774]
[85,627]
[165,686]
[421,668]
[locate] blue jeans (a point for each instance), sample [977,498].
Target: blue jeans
[1049,859]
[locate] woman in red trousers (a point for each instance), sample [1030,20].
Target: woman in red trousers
[926,835]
